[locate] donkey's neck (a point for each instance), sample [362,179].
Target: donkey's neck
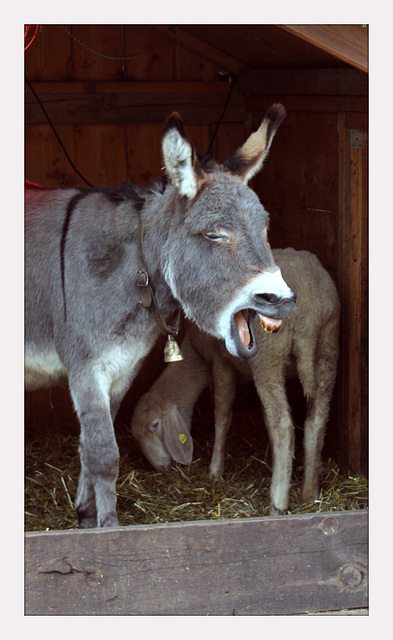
[156,218]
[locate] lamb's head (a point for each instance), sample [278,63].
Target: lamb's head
[161,432]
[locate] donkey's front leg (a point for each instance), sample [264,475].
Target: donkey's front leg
[96,496]
[85,503]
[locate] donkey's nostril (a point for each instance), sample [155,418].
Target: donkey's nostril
[267,297]
[272,298]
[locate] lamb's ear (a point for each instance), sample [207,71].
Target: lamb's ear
[249,158]
[177,436]
[180,159]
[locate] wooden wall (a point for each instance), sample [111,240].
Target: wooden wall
[109,114]
[150,55]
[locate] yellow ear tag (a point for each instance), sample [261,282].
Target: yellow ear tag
[182,438]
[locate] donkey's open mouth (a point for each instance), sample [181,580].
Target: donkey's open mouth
[243,330]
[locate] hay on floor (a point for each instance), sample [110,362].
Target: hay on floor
[146,496]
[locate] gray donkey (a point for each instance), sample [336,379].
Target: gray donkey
[106,267]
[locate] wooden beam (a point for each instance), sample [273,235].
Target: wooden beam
[306,82]
[119,103]
[258,566]
[257,105]
[203,49]
[352,242]
[348,42]
[132,88]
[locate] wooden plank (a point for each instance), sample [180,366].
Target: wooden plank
[135,52]
[323,82]
[306,132]
[97,59]
[154,55]
[100,153]
[120,108]
[49,57]
[352,285]
[364,319]
[202,49]
[230,136]
[133,88]
[45,161]
[301,171]
[332,104]
[302,228]
[262,46]
[259,566]
[348,42]
[114,52]
[305,180]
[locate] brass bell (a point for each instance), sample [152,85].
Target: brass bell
[172,351]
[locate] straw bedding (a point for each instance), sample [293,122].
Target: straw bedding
[146,496]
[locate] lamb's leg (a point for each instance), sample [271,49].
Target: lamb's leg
[224,380]
[96,495]
[324,376]
[314,431]
[282,440]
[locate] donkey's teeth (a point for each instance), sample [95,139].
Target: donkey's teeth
[242,327]
[270,325]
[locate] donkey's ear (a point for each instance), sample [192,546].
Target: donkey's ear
[248,160]
[180,160]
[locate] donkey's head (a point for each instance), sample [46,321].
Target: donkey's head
[219,264]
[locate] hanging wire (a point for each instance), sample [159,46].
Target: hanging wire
[118,58]
[27,29]
[232,83]
[56,134]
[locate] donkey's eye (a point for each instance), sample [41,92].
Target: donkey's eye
[217,237]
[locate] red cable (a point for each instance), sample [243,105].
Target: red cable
[27,27]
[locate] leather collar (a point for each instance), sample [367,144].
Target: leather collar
[148,298]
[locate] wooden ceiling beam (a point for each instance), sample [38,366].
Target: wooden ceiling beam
[124,103]
[310,82]
[348,42]
[202,49]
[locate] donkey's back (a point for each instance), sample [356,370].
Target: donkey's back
[77,272]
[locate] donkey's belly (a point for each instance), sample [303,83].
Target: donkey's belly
[43,369]
[118,366]
[113,370]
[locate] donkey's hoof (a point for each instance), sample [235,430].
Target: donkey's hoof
[87,523]
[87,518]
